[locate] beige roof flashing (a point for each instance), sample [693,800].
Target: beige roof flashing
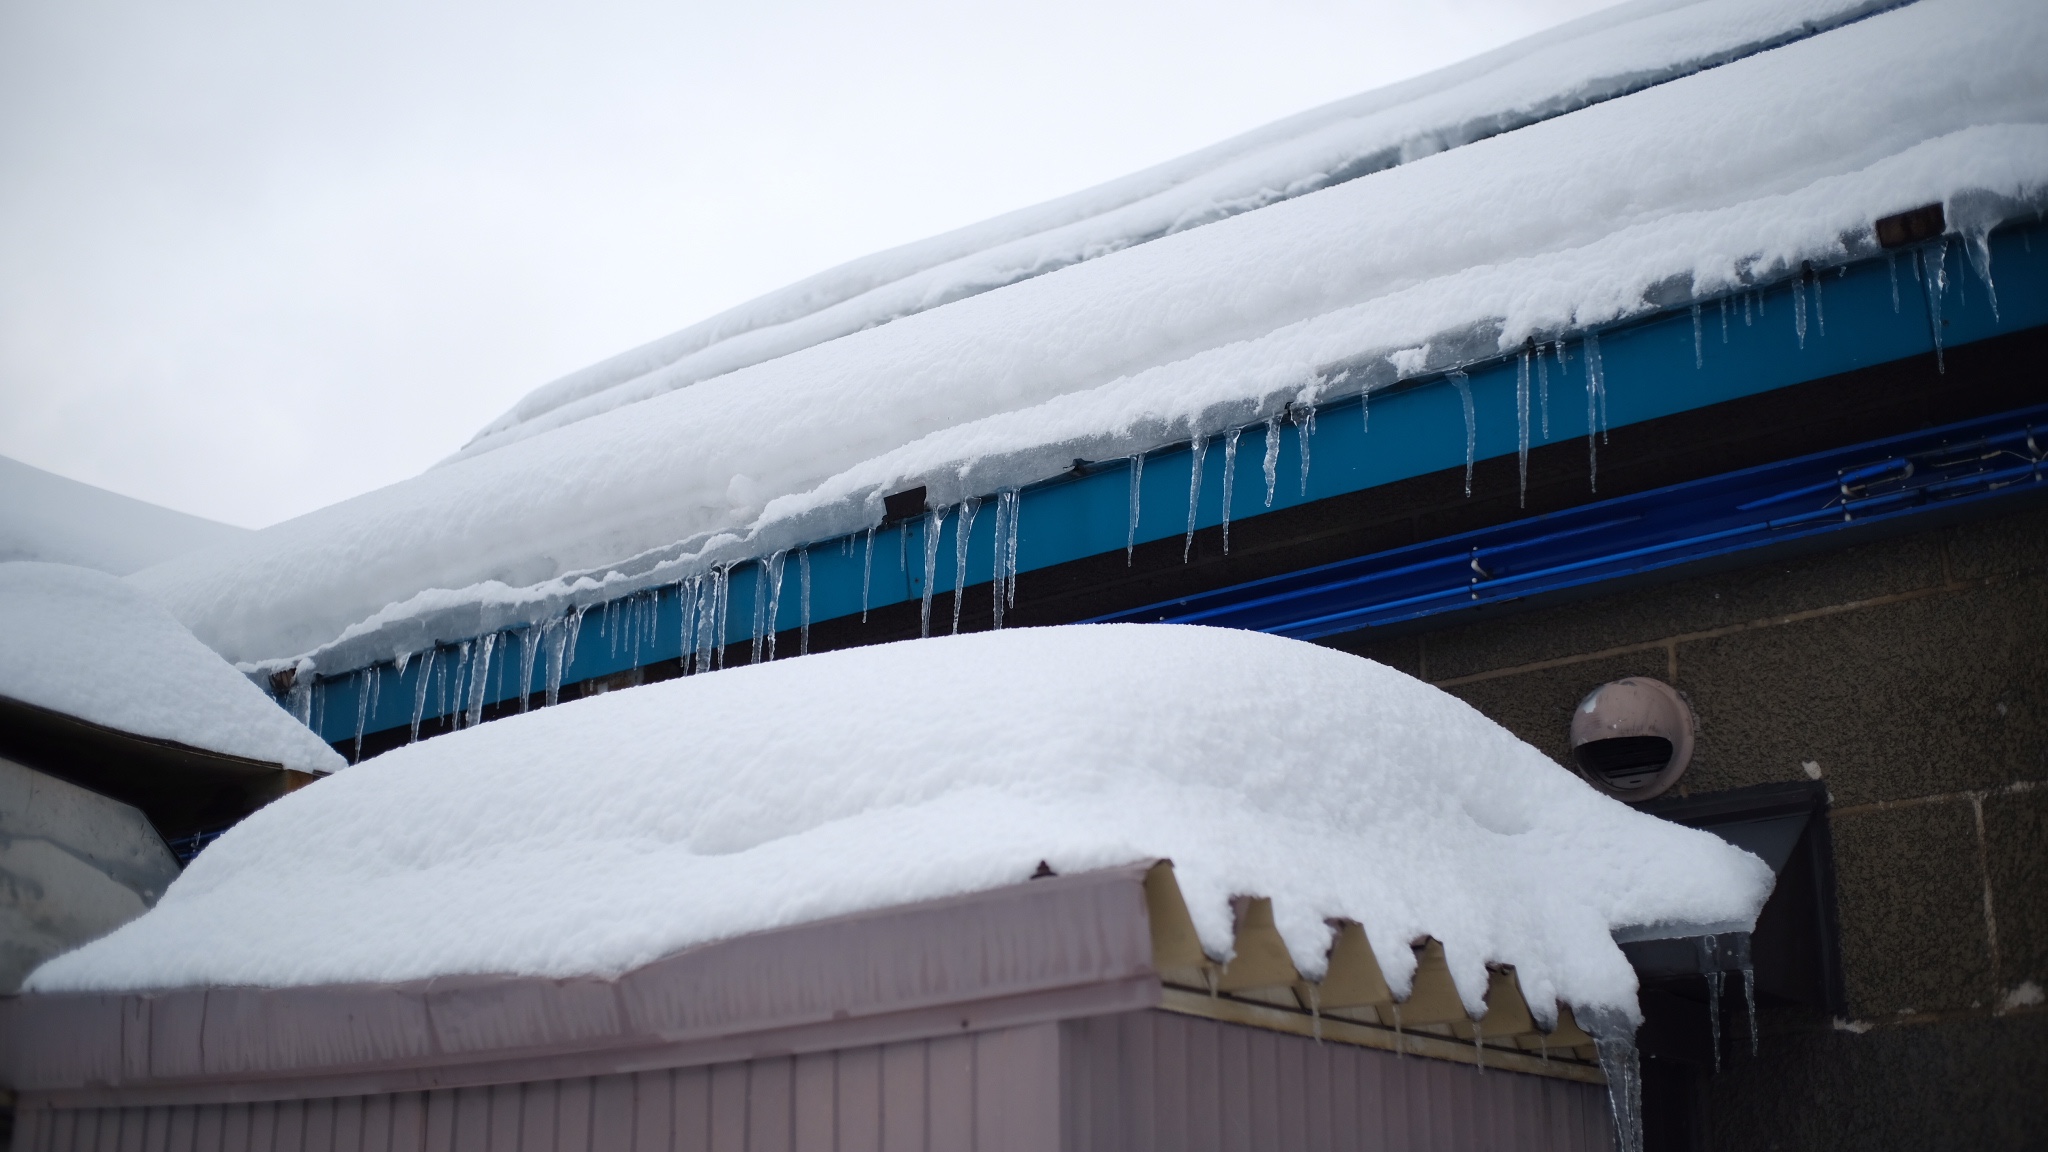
[1353,1003]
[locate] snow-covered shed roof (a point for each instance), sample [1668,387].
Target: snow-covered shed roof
[1652,154]
[90,646]
[595,837]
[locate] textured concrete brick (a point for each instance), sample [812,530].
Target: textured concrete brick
[1910,896]
[1961,1083]
[1537,706]
[2016,850]
[2001,546]
[1937,694]
[1696,605]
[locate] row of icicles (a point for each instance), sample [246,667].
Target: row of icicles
[456,677]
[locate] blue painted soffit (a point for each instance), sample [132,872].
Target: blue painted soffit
[1855,316]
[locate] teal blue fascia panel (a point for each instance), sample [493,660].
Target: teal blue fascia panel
[1855,316]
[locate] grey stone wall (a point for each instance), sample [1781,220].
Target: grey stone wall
[1912,674]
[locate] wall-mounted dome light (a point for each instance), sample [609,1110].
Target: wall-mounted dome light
[1632,738]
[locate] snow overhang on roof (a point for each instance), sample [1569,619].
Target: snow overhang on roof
[1630,203]
[91,663]
[594,838]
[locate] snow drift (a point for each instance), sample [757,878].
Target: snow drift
[596,836]
[88,645]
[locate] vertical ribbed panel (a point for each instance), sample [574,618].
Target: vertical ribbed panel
[1154,1081]
[1133,1082]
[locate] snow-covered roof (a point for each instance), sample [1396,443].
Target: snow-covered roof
[593,837]
[44,516]
[964,365]
[89,645]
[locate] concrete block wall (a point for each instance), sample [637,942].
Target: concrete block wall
[1912,675]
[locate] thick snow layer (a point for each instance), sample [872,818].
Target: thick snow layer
[1690,188]
[1622,49]
[89,645]
[595,836]
[44,516]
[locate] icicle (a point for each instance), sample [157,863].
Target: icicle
[575,625]
[362,680]
[479,678]
[707,618]
[1724,319]
[1272,458]
[768,605]
[1305,429]
[1699,344]
[419,691]
[1934,257]
[1365,411]
[1522,424]
[1463,384]
[1977,246]
[1746,319]
[1198,450]
[1820,307]
[1710,966]
[1008,508]
[457,684]
[867,572]
[1543,390]
[686,622]
[963,534]
[1479,1045]
[1593,423]
[1229,480]
[529,655]
[1749,998]
[1596,373]
[1130,530]
[1799,308]
[1891,265]
[934,525]
[1614,1039]
[721,614]
[1004,519]
[317,709]
[803,571]
[403,659]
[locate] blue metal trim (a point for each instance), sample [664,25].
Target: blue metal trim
[1871,312]
[1828,492]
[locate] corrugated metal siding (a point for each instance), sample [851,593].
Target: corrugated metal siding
[1163,1082]
[991,1091]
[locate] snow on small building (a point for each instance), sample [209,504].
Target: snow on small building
[816,856]
[118,732]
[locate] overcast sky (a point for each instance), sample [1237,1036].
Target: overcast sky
[258,257]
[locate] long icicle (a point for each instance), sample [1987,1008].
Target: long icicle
[1229,480]
[934,525]
[803,571]
[1522,424]
[1131,529]
[1305,430]
[963,533]
[867,573]
[1272,462]
[1198,451]
[1463,384]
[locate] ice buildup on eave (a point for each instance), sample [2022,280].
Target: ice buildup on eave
[594,837]
[87,645]
[1734,175]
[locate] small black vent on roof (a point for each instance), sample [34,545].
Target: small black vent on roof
[905,505]
[1923,223]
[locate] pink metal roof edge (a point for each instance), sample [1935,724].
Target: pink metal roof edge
[1047,949]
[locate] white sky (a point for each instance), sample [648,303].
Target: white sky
[257,257]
